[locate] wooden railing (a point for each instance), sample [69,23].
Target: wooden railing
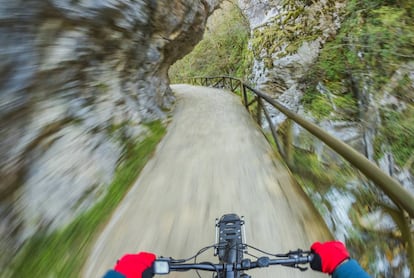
[254,100]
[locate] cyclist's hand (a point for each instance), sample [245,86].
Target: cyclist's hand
[328,255]
[136,265]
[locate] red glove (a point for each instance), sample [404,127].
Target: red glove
[328,255]
[136,265]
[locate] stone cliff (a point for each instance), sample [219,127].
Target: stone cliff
[76,76]
[347,66]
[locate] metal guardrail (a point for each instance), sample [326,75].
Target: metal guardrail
[391,187]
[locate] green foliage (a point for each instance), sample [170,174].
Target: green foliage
[318,103]
[390,35]
[223,50]
[321,104]
[348,104]
[288,30]
[405,89]
[62,253]
[368,55]
[375,39]
[398,131]
[312,171]
[318,178]
[332,64]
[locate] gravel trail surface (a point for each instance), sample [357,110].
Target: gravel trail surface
[213,160]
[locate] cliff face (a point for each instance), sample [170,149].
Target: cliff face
[348,66]
[78,79]
[342,67]
[286,40]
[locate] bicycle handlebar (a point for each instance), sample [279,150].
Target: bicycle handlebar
[165,265]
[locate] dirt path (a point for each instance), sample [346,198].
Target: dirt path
[213,160]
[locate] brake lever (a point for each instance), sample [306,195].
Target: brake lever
[302,268]
[298,267]
[297,254]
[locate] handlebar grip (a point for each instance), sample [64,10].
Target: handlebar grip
[311,257]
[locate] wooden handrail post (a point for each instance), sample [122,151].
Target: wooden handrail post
[259,111]
[240,87]
[288,142]
[245,96]
[273,130]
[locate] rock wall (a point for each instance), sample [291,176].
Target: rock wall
[347,66]
[76,76]
[286,39]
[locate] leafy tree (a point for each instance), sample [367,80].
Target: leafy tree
[223,50]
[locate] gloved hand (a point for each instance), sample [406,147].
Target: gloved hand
[328,255]
[136,265]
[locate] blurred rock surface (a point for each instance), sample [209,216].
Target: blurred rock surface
[74,76]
